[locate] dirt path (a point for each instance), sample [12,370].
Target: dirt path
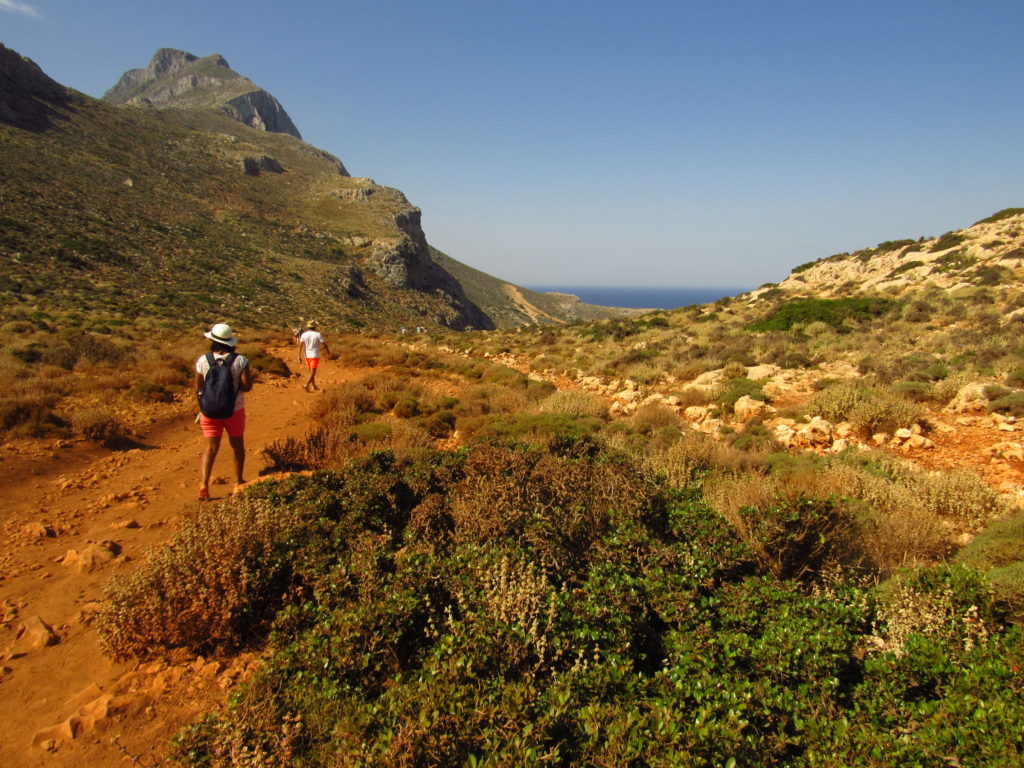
[71,517]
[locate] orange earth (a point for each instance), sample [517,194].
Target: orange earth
[72,515]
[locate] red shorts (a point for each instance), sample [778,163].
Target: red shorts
[215,427]
[313,363]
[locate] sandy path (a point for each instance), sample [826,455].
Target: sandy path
[63,703]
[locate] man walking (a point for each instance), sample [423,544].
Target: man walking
[310,344]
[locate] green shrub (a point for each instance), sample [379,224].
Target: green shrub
[736,388]
[1011,403]
[947,241]
[999,545]
[833,312]
[918,391]
[1006,213]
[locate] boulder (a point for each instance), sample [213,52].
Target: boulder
[747,408]
[970,398]
[762,371]
[695,414]
[784,433]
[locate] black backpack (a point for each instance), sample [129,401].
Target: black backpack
[217,400]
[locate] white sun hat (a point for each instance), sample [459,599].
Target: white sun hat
[222,334]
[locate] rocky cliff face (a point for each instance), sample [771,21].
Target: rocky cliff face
[179,79]
[405,262]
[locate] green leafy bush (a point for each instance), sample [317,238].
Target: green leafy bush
[833,312]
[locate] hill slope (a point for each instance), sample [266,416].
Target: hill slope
[194,212]
[987,255]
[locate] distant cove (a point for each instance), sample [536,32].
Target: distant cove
[643,297]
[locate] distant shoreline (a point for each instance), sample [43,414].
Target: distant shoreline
[641,297]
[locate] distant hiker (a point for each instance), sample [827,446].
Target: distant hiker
[297,332]
[222,378]
[310,344]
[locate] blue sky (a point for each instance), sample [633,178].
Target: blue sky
[566,142]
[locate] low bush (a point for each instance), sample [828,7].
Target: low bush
[100,424]
[147,391]
[885,413]
[31,417]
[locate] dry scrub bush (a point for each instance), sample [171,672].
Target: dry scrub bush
[343,397]
[933,605]
[209,589]
[558,505]
[579,404]
[886,413]
[652,417]
[100,424]
[962,497]
[688,458]
[836,402]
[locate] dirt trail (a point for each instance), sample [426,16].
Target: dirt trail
[72,516]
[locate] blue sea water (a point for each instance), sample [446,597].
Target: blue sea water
[641,297]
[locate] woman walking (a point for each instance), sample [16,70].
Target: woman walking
[222,378]
[310,344]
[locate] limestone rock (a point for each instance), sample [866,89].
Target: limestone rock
[695,414]
[765,371]
[970,398]
[747,408]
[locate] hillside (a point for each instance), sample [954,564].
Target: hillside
[185,215]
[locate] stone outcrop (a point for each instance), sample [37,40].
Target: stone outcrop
[254,166]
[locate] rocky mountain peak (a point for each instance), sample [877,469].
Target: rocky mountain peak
[180,79]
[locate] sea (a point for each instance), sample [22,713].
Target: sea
[642,297]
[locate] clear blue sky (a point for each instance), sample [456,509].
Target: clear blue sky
[568,142]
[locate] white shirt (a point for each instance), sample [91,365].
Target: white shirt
[312,340]
[203,365]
